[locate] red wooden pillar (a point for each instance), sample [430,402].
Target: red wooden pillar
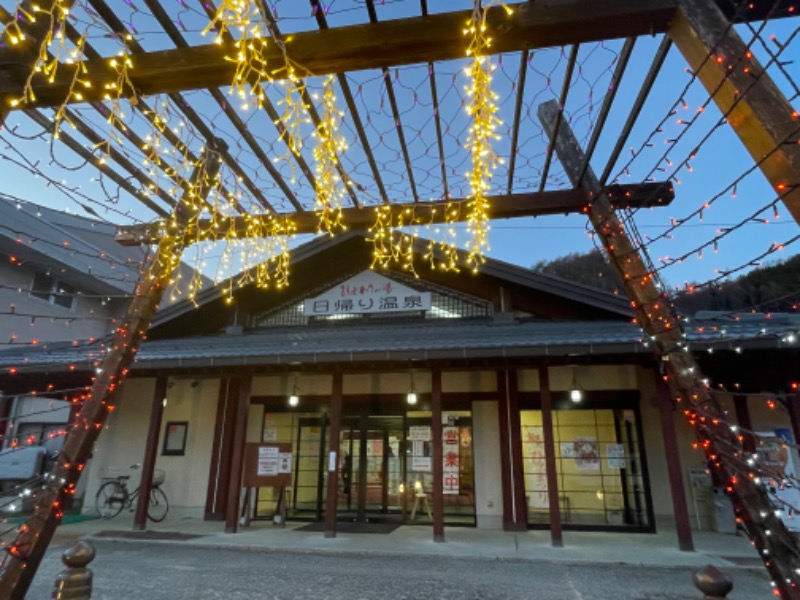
[150,453]
[505,451]
[556,536]
[743,419]
[515,512]
[438,455]
[334,433]
[793,405]
[219,470]
[237,455]
[674,471]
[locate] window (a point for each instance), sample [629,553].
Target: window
[51,290]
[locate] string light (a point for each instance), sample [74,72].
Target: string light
[482,107]
[329,145]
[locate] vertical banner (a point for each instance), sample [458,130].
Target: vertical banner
[450,458]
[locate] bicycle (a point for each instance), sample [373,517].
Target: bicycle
[114,495]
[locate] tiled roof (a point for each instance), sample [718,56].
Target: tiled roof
[445,340]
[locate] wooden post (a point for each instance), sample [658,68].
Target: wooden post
[438,455]
[334,433]
[517,470]
[150,453]
[766,123]
[743,419]
[237,455]
[752,505]
[682,525]
[220,475]
[27,550]
[216,451]
[556,536]
[505,450]
[793,406]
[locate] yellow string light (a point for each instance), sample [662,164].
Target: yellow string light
[482,107]
[251,63]
[329,145]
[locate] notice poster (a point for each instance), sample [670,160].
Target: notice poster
[615,456]
[270,434]
[587,457]
[419,433]
[534,461]
[285,462]
[421,463]
[450,483]
[268,459]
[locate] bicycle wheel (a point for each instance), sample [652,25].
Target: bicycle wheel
[158,507]
[110,499]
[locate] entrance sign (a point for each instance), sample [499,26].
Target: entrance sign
[450,456]
[367,293]
[262,465]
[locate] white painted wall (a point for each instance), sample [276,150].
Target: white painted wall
[124,442]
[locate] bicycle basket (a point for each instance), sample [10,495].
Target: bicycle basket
[158,477]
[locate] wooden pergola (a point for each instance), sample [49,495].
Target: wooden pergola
[176,212]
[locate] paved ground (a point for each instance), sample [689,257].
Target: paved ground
[154,571]
[187,557]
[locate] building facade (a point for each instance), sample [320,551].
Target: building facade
[506,399]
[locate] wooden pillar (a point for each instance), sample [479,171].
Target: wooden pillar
[438,455]
[743,419]
[150,453]
[334,433]
[654,313]
[793,406]
[674,470]
[556,536]
[219,470]
[515,512]
[755,108]
[505,451]
[27,550]
[237,455]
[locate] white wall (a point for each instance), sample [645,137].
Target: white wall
[51,322]
[123,443]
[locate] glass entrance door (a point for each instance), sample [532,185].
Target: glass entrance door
[370,469]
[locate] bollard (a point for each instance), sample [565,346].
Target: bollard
[714,584]
[75,582]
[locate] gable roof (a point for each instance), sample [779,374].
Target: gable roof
[527,279]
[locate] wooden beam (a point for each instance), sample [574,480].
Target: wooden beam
[234,491]
[752,505]
[367,46]
[437,455]
[766,123]
[419,213]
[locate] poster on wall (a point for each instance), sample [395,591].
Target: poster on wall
[776,457]
[421,463]
[450,458]
[270,434]
[268,461]
[419,433]
[285,462]
[535,471]
[587,457]
[615,456]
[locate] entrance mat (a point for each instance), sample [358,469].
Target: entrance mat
[171,536]
[348,527]
[744,561]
